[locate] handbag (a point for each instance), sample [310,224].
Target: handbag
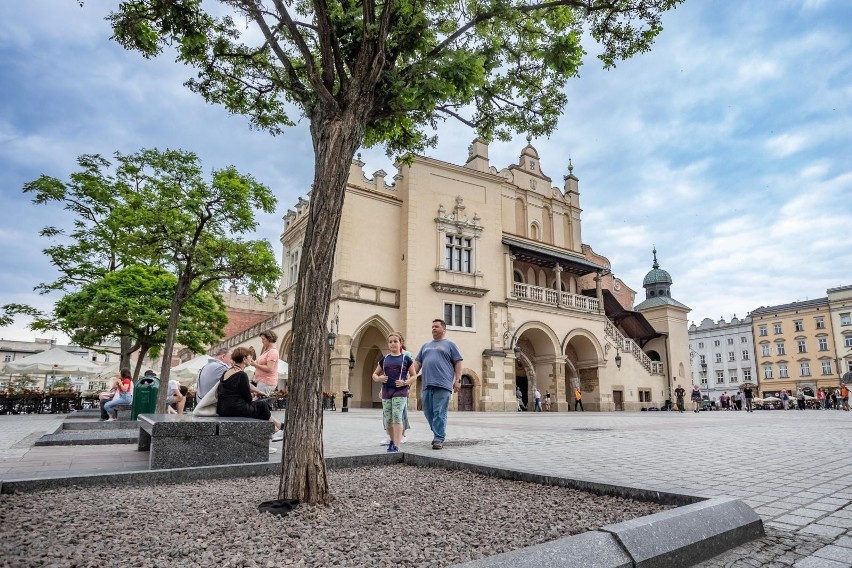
[207,405]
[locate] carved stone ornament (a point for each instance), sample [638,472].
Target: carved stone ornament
[458,221]
[446,288]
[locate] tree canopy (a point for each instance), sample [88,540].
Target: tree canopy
[375,72]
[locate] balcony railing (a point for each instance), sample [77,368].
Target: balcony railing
[549,296]
[629,346]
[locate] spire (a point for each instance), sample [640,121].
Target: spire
[656,264]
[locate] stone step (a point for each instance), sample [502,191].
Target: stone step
[96,424]
[89,438]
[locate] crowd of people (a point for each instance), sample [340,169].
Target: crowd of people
[744,399]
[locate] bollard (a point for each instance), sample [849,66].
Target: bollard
[346,396]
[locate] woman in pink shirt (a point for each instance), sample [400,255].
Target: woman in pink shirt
[266,365]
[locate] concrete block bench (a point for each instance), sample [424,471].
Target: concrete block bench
[184,440]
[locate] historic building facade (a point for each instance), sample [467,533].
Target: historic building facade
[795,346]
[840,308]
[722,356]
[498,255]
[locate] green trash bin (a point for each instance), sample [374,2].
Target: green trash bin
[145,396]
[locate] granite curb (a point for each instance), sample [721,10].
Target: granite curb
[697,530]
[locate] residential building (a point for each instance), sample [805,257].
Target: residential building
[795,347]
[722,356]
[498,255]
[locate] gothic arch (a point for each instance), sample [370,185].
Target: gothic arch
[286,346]
[374,321]
[589,346]
[541,330]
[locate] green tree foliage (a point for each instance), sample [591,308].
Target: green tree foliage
[375,72]
[136,301]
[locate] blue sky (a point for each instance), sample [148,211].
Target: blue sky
[728,146]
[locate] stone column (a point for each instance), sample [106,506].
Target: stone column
[599,292]
[338,375]
[510,277]
[558,270]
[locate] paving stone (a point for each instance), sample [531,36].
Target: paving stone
[834,521]
[836,553]
[822,530]
[816,562]
[794,520]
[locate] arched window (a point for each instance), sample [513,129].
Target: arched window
[534,233]
[518,277]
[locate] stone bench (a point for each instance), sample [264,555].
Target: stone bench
[184,440]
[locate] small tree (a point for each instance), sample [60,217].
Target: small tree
[194,230]
[135,301]
[376,72]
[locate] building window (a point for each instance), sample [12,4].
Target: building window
[823,343]
[702,360]
[644,395]
[820,323]
[805,369]
[800,325]
[803,348]
[845,319]
[782,371]
[718,357]
[777,328]
[780,348]
[293,258]
[730,341]
[745,354]
[458,253]
[704,381]
[7,358]
[743,339]
[701,345]
[106,358]
[720,377]
[732,356]
[763,330]
[767,372]
[848,341]
[764,349]
[732,375]
[747,375]
[826,367]
[849,365]
[716,343]
[459,316]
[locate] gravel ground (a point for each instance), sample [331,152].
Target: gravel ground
[437,518]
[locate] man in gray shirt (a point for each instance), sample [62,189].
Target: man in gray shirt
[212,372]
[441,364]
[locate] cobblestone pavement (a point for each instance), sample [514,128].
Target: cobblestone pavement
[794,468]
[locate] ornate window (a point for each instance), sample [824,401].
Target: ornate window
[458,254]
[457,262]
[459,316]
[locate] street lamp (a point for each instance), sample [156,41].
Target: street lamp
[331,338]
[617,358]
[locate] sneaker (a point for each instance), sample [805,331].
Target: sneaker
[278,436]
[437,445]
[385,441]
[392,449]
[404,439]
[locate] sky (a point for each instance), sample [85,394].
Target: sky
[728,146]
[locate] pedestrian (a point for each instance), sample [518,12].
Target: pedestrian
[835,399]
[266,366]
[740,399]
[547,401]
[785,398]
[680,393]
[395,372]
[695,396]
[748,395]
[820,399]
[519,397]
[578,400]
[844,396]
[537,397]
[406,426]
[123,395]
[441,365]
[211,372]
[800,399]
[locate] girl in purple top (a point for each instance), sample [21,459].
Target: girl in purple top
[396,373]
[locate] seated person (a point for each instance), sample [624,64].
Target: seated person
[235,393]
[175,398]
[107,396]
[124,394]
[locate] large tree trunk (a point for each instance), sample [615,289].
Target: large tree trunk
[303,474]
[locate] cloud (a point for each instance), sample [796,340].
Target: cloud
[786,144]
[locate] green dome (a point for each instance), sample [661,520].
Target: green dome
[657,276]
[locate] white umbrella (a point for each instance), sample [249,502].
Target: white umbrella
[188,371]
[772,399]
[54,361]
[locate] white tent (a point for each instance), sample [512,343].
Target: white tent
[282,371]
[187,372]
[54,361]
